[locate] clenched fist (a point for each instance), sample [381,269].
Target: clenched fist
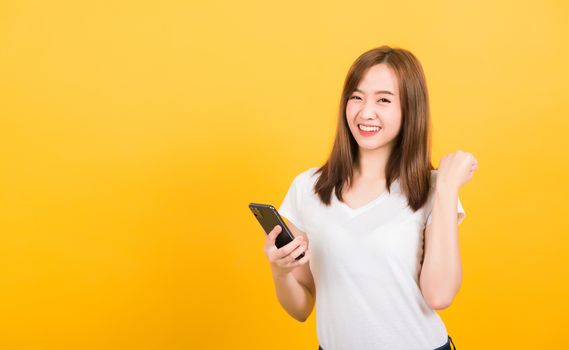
[456,169]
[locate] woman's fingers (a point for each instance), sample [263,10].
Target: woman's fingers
[302,261]
[293,252]
[285,257]
[298,252]
[275,253]
[284,251]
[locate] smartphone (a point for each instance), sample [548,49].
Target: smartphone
[269,217]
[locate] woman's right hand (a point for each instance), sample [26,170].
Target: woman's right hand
[282,259]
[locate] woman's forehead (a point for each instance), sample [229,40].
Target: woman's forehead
[379,77]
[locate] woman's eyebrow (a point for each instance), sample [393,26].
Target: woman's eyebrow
[378,92]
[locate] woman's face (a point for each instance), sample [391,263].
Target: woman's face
[375,104]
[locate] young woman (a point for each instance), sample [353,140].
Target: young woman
[377,223]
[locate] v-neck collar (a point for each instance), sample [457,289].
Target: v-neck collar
[379,198]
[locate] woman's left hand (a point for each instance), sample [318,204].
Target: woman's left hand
[456,169]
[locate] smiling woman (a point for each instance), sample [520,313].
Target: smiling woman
[362,217]
[385,88]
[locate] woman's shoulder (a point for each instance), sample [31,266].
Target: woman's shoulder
[307,173]
[306,177]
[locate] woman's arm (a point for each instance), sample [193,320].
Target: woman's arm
[295,290]
[441,274]
[295,298]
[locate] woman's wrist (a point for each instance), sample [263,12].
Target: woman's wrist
[279,273]
[446,189]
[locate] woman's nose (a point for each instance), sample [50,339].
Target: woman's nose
[368,111]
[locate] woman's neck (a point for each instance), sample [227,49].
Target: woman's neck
[371,164]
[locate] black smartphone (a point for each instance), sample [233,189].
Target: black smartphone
[269,217]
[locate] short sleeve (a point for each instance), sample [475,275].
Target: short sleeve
[291,206]
[459,209]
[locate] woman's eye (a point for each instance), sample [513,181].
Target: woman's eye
[384,100]
[351,98]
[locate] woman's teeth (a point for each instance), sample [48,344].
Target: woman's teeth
[368,128]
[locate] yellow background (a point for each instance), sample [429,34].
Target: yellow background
[134,134]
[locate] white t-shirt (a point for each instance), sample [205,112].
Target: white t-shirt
[366,264]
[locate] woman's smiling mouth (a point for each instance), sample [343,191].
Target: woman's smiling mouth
[368,130]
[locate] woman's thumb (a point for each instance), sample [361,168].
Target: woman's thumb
[274,233]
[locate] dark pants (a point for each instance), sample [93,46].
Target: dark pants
[444,347]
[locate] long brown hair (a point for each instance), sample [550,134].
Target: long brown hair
[410,159]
